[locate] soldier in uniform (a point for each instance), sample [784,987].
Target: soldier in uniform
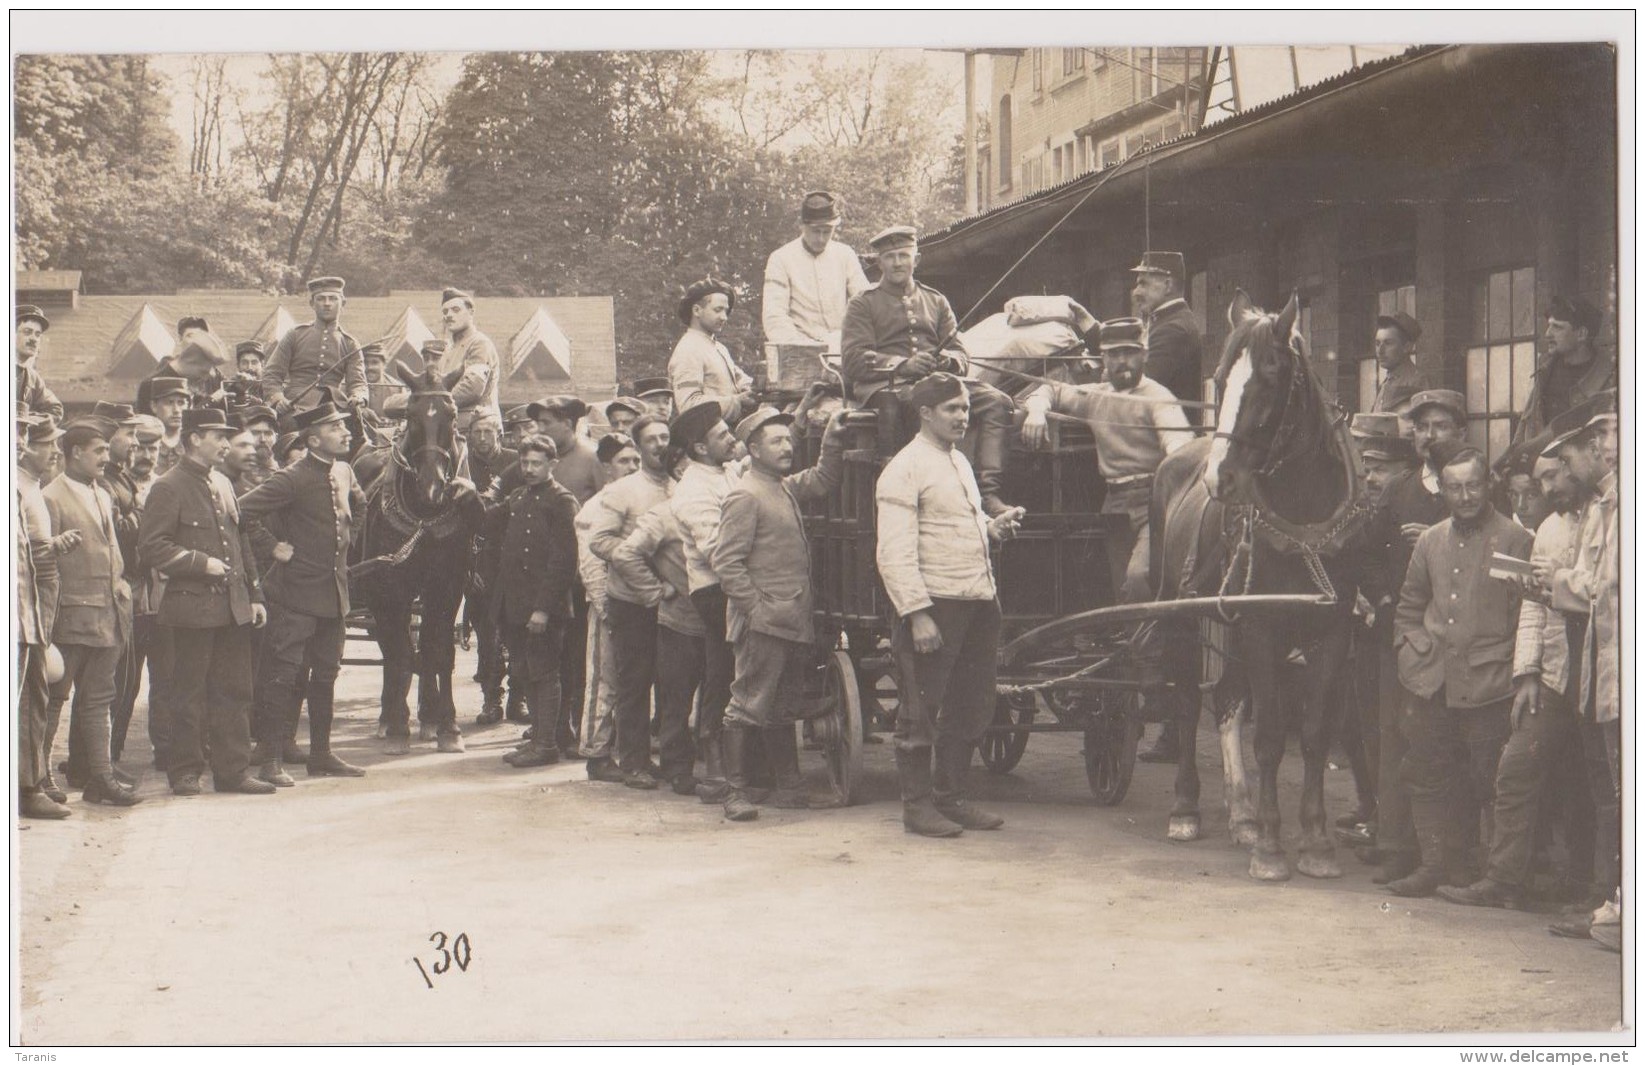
[487,459]
[315,500]
[311,354]
[898,332]
[260,421]
[472,353]
[1572,371]
[1396,349]
[191,533]
[378,386]
[1176,338]
[248,367]
[32,390]
[517,426]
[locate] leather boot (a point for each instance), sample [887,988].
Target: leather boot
[784,753]
[953,758]
[1397,865]
[515,711]
[321,762]
[104,788]
[734,754]
[33,803]
[1164,749]
[991,465]
[52,790]
[1433,841]
[266,757]
[711,787]
[919,811]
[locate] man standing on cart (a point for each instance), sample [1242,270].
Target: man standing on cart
[932,552]
[809,280]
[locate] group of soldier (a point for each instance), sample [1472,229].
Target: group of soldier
[654,571]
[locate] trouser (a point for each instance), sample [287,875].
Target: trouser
[770,687]
[490,666]
[210,693]
[634,652]
[947,696]
[161,655]
[292,640]
[991,415]
[534,669]
[1395,830]
[1450,748]
[1362,723]
[679,673]
[1522,779]
[128,680]
[573,667]
[599,699]
[89,673]
[1128,549]
[1601,747]
[719,664]
[32,724]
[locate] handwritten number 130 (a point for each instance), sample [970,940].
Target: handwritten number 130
[458,954]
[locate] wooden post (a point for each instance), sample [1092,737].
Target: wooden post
[970,133]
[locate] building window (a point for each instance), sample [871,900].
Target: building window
[1111,152]
[1073,61]
[1005,155]
[1501,357]
[1386,302]
[1038,59]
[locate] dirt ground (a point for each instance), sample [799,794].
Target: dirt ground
[594,912]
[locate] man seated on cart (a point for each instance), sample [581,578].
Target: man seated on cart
[1136,425]
[898,332]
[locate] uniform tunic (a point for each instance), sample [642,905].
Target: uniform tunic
[697,501]
[537,558]
[33,391]
[190,516]
[932,534]
[883,329]
[1176,345]
[315,499]
[1402,383]
[475,391]
[308,353]
[805,295]
[700,369]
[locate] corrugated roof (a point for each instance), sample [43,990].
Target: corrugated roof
[48,281]
[76,354]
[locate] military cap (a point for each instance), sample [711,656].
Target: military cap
[236,420]
[253,413]
[448,295]
[562,406]
[199,419]
[1578,312]
[108,427]
[255,347]
[1168,264]
[762,416]
[320,415]
[1448,399]
[284,444]
[1392,449]
[646,386]
[374,350]
[934,389]
[161,387]
[1120,333]
[188,322]
[819,206]
[692,425]
[895,237]
[1378,425]
[82,428]
[697,291]
[1567,427]
[433,350]
[1403,322]
[516,415]
[610,444]
[625,403]
[148,429]
[317,285]
[119,413]
[25,312]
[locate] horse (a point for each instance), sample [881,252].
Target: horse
[1271,503]
[415,541]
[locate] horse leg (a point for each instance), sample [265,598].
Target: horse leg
[1182,667]
[439,662]
[1268,861]
[1232,706]
[1320,715]
[393,631]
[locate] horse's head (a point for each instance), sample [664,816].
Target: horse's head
[1262,363]
[428,450]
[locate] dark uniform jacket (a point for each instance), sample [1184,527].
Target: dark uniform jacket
[190,516]
[315,501]
[1405,500]
[1402,383]
[884,328]
[122,490]
[537,558]
[309,353]
[1176,345]
[486,473]
[1560,388]
[263,534]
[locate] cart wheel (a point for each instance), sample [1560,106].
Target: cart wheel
[840,730]
[1002,746]
[1111,754]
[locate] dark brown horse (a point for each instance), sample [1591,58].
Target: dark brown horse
[1264,506]
[415,544]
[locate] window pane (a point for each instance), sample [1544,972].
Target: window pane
[1479,319]
[1476,432]
[1476,379]
[1525,302]
[1385,302]
[1501,376]
[1500,323]
[1407,300]
[1367,383]
[1497,442]
[1524,369]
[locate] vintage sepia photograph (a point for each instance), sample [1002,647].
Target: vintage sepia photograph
[665,527]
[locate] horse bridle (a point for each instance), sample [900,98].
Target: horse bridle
[1276,455]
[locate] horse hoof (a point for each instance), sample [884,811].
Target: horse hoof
[1269,867]
[382,730]
[1315,865]
[1183,828]
[450,745]
[1244,833]
[427,732]
[397,745]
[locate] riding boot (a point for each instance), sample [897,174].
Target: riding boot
[321,762]
[919,811]
[784,752]
[711,788]
[953,759]
[991,436]
[1165,748]
[734,752]
[1434,843]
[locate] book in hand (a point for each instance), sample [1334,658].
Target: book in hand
[1510,568]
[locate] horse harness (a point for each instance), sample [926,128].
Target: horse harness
[385,492]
